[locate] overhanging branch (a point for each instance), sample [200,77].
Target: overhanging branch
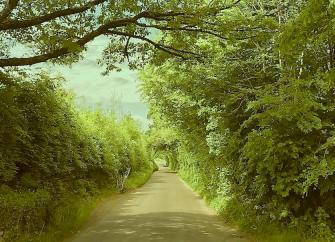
[104,29]
[184,28]
[108,28]
[64,51]
[168,49]
[19,24]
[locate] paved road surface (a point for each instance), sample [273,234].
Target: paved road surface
[163,210]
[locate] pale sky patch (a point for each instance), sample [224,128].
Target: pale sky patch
[117,92]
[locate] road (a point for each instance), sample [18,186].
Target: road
[163,210]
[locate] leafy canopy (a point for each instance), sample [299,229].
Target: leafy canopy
[54,30]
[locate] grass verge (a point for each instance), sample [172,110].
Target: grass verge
[74,211]
[138,179]
[236,215]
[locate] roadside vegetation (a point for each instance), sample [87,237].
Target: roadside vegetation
[254,124]
[57,160]
[241,94]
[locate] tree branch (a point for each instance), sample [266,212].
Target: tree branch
[218,9]
[163,16]
[107,28]
[11,4]
[126,53]
[231,5]
[19,24]
[63,51]
[104,29]
[168,49]
[156,45]
[189,29]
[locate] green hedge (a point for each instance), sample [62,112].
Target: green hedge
[51,152]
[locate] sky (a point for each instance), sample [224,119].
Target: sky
[118,91]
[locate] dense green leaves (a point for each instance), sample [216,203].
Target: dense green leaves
[52,31]
[256,118]
[245,111]
[49,149]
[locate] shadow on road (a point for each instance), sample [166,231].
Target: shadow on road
[163,210]
[167,227]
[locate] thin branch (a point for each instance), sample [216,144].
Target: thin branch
[256,30]
[19,24]
[182,51]
[164,16]
[11,4]
[189,29]
[156,45]
[168,49]
[126,53]
[230,6]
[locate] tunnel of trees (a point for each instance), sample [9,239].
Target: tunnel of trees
[241,95]
[255,121]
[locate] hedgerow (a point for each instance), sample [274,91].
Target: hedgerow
[52,154]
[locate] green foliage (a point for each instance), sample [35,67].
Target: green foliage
[164,145]
[59,31]
[138,178]
[255,120]
[49,150]
[24,211]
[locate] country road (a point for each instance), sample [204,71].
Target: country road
[163,210]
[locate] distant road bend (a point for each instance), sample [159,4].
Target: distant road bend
[163,210]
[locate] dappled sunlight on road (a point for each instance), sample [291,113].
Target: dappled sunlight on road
[159,227]
[165,209]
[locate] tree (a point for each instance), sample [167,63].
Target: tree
[54,30]
[259,114]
